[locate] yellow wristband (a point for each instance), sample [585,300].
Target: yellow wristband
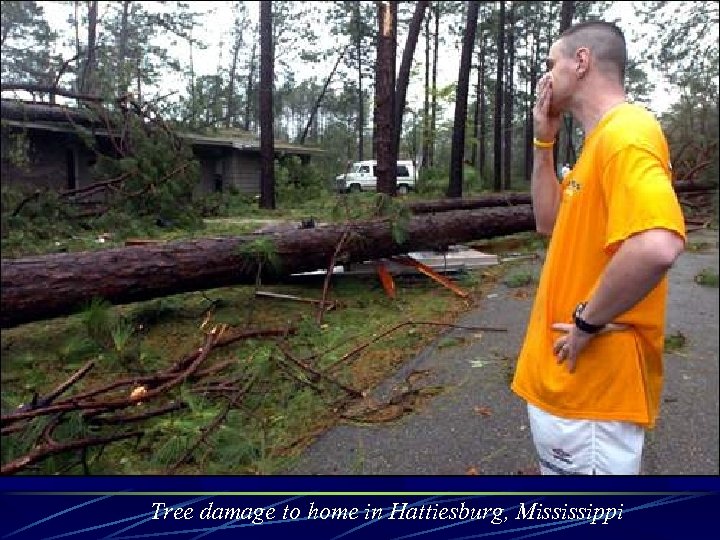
[543,144]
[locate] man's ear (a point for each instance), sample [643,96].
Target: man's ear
[582,56]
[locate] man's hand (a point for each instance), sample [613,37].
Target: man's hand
[546,125]
[568,347]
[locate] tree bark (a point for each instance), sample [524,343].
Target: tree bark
[455,185]
[521,198]
[36,288]
[231,83]
[529,127]
[249,89]
[426,106]
[482,201]
[88,83]
[509,97]
[482,131]
[433,114]
[497,176]
[567,10]
[385,170]
[405,65]
[361,99]
[122,74]
[267,145]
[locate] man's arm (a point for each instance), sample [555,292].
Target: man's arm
[635,269]
[544,186]
[545,190]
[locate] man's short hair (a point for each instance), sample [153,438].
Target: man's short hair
[605,41]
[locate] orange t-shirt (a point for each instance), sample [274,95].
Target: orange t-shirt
[621,185]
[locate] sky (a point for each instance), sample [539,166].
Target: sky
[216,30]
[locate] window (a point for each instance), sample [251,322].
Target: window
[402,170]
[364,169]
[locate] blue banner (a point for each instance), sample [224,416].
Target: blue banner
[357,507]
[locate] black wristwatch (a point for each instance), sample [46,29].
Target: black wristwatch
[582,324]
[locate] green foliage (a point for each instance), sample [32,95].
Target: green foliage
[675,342]
[77,348]
[161,175]
[449,341]
[518,279]
[260,253]
[26,43]
[17,148]
[108,331]
[98,319]
[397,212]
[296,182]
[707,278]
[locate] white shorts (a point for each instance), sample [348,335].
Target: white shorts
[568,446]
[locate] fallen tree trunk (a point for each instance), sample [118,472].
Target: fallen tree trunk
[517,198]
[41,287]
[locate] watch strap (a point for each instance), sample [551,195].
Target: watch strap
[582,324]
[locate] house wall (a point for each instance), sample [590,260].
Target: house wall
[243,172]
[238,169]
[50,156]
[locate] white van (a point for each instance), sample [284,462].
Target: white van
[361,177]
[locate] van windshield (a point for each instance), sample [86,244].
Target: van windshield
[356,167]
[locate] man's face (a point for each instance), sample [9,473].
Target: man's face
[562,70]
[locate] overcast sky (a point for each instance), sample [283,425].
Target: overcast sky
[216,30]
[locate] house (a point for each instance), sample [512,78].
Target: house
[232,158]
[42,146]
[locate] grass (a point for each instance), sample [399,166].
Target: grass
[518,278]
[275,421]
[707,278]
[675,342]
[284,410]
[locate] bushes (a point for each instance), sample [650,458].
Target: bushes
[296,182]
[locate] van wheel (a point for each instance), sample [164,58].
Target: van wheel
[403,189]
[355,188]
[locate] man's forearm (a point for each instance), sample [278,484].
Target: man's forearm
[545,190]
[635,269]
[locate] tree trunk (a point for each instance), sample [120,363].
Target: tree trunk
[122,75]
[361,99]
[88,84]
[37,288]
[567,10]
[529,127]
[520,198]
[231,84]
[267,143]
[426,106]
[482,131]
[470,203]
[385,170]
[193,101]
[405,65]
[320,97]
[509,91]
[455,185]
[249,90]
[433,115]
[497,176]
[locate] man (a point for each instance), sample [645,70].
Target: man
[591,364]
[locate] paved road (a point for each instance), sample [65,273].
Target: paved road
[478,426]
